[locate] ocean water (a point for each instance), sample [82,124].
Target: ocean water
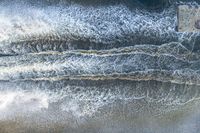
[97,66]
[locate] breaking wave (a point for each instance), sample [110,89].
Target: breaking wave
[74,26]
[97,66]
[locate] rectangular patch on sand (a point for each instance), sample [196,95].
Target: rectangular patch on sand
[188,18]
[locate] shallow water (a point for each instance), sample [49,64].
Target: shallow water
[97,67]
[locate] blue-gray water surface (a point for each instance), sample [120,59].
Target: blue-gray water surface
[97,66]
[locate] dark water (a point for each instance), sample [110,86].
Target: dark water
[97,66]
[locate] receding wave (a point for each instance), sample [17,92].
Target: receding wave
[97,66]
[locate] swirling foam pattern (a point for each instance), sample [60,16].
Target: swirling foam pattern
[97,66]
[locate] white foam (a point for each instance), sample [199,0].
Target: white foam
[22,101]
[98,24]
